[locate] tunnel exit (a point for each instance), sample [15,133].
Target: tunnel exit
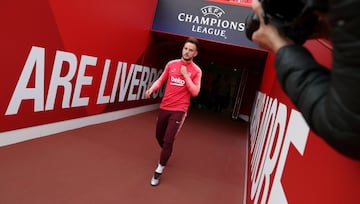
[231,74]
[232,65]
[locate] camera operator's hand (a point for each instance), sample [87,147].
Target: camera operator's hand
[268,36]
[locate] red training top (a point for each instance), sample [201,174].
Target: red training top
[179,88]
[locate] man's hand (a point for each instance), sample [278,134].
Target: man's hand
[184,71]
[148,93]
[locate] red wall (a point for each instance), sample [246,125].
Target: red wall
[286,159]
[88,32]
[60,60]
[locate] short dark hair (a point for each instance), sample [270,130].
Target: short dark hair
[193,41]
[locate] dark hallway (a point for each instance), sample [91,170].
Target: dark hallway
[231,74]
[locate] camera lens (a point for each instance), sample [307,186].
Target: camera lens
[252,23]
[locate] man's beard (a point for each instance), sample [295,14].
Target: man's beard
[187,59]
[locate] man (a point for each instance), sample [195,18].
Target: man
[328,99]
[182,78]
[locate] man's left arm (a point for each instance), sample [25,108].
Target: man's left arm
[194,84]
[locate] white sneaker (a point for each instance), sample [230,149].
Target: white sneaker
[155,180]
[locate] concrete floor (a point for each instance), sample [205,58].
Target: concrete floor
[113,163]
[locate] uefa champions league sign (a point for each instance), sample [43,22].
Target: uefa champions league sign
[206,20]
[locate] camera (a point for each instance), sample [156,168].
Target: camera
[295,19]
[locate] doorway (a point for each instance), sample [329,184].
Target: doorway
[231,74]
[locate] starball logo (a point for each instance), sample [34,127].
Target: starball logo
[211,22]
[212,10]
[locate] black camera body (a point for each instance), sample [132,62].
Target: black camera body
[293,18]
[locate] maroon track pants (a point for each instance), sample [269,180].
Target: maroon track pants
[167,127]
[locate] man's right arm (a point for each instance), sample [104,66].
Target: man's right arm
[158,83]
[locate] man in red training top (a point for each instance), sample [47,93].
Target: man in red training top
[182,78]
